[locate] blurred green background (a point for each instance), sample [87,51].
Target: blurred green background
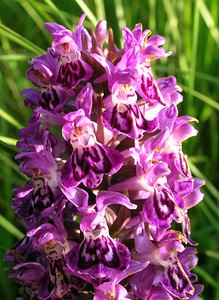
[191,29]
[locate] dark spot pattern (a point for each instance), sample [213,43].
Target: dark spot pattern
[163,204]
[50,99]
[129,121]
[92,159]
[94,251]
[42,199]
[71,73]
[179,282]
[150,89]
[184,165]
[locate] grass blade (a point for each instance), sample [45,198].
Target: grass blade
[212,254]
[201,97]
[100,10]
[42,10]
[200,75]
[58,13]
[87,11]
[8,140]
[14,56]
[191,81]
[120,16]
[6,116]
[152,14]
[17,38]
[209,21]
[214,223]
[212,189]
[206,276]
[5,159]
[34,15]
[173,22]
[10,228]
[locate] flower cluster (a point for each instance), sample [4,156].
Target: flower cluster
[107,174]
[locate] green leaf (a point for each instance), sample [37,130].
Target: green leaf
[206,276]
[17,38]
[209,21]
[34,15]
[10,228]
[7,140]
[201,97]
[214,223]
[120,14]
[5,158]
[87,11]
[5,115]
[212,254]
[14,56]
[212,189]
[100,10]
[58,13]
[189,101]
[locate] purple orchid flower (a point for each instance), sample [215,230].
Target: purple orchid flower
[84,99]
[74,68]
[170,90]
[107,176]
[99,257]
[122,112]
[89,159]
[159,206]
[166,254]
[111,290]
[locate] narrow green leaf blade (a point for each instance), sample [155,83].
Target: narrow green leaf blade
[10,227]
[8,140]
[87,11]
[17,38]
[5,115]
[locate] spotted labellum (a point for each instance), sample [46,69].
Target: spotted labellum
[107,177]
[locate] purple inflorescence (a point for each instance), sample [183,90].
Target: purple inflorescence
[107,174]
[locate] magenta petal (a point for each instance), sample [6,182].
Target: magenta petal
[98,258]
[28,272]
[110,289]
[137,31]
[42,161]
[89,165]
[101,32]
[76,196]
[45,233]
[193,199]
[31,97]
[183,132]
[143,244]
[159,208]
[127,119]
[130,40]
[84,99]
[158,293]
[186,229]
[167,117]
[156,40]
[169,89]
[153,52]
[54,27]
[176,281]
[66,131]
[149,90]
[142,282]
[106,198]
[72,73]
